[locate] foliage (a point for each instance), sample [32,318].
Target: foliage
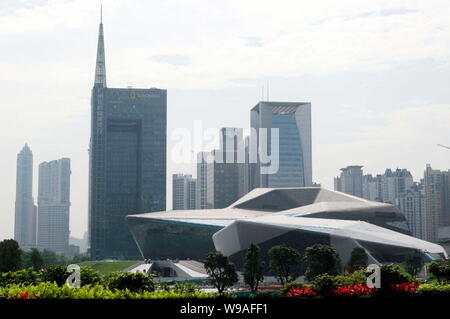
[221,271]
[434,289]
[301,292]
[48,290]
[253,269]
[134,282]
[358,260]
[51,258]
[89,276]
[37,262]
[392,274]
[57,274]
[282,262]
[9,255]
[321,259]
[414,263]
[441,270]
[356,277]
[184,287]
[290,285]
[325,284]
[26,277]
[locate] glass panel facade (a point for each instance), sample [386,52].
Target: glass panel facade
[290,172]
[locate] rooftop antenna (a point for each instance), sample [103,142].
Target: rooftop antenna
[262,93]
[267,91]
[101,13]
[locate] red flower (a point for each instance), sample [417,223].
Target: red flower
[23,295]
[353,290]
[406,287]
[300,292]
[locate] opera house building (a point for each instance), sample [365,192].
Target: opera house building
[295,217]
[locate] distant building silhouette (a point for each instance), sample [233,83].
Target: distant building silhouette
[25,210]
[350,181]
[183,191]
[54,206]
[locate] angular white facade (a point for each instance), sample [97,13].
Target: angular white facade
[296,217]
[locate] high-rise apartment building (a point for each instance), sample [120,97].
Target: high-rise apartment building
[25,210]
[412,204]
[54,206]
[437,201]
[183,191]
[282,130]
[127,173]
[350,181]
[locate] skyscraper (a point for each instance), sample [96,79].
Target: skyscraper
[183,191]
[350,181]
[223,169]
[54,206]
[293,163]
[127,172]
[25,211]
[201,191]
[437,201]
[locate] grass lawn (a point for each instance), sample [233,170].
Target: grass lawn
[105,267]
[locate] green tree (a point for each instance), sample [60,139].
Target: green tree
[10,255]
[221,271]
[283,262]
[321,259]
[57,274]
[358,259]
[136,282]
[414,263]
[253,268]
[441,270]
[36,259]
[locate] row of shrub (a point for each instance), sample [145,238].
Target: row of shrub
[47,290]
[395,281]
[134,282]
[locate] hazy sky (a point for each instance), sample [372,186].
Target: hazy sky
[376,72]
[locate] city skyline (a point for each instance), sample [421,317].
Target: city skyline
[367,103]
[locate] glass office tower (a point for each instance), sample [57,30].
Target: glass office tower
[127,161]
[294,160]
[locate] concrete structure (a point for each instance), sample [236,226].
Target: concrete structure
[202,181]
[183,191]
[372,187]
[292,165]
[54,206]
[25,210]
[412,204]
[350,181]
[387,187]
[127,152]
[297,217]
[220,170]
[437,201]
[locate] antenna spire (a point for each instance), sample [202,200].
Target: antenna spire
[100,67]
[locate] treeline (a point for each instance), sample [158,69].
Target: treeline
[13,258]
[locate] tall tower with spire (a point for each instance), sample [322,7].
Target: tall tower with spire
[100,67]
[127,160]
[25,210]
